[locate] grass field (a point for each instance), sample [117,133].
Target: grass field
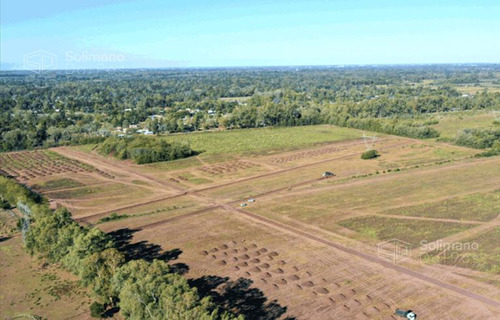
[264,140]
[411,231]
[479,206]
[482,257]
[58,184]
[451,123]
[30,289]
[325,203]
[8,223]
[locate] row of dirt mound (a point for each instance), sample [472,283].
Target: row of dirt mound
[306,154]
[28,165]
[268,270]
[228,167]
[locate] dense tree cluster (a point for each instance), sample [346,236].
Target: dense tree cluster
[478,138]
[145,149]
[58,108]
[142,289]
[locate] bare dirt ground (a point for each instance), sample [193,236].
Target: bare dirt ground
[315,273]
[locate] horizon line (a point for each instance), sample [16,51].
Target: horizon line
[257,66]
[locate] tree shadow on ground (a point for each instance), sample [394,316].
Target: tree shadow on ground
[238,297]
[143,249]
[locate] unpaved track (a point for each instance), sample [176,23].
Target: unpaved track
[104,213]
[81,156]
[111,165]
[370,258]
[182,216]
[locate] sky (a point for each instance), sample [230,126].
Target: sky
[106,34]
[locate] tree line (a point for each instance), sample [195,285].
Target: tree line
[141,289]
[38,111]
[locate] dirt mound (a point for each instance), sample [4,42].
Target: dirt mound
[235,259]
[214,257]
[323,291]
[255,260]
[245,257]
[308,284]
[263,280]
[279,270]
[275,286]
[244,249]
[204,253]
[273,254]
[235,250]
[265,265]
[236,268]
[223,247]
[222,263]
[282,262]
[281,281]
[295,268]
[253,246]
[299,286]
[255,269]
[294,277]
[256,253]
[248,274]
[242,264]
[263,250]
[214,250]
[267,275]
[225,253]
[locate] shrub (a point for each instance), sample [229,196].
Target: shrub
[97,309]
[370,154]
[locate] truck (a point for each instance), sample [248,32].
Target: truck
[408,314]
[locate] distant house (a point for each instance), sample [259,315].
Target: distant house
[145,132]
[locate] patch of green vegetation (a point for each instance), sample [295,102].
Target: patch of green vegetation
[411,231]
[370,154]
[113,217]
[477,138]
[145,149]
[58,184]
[494,151]
[481,254]
[188,176]
[263,140]
[176,164]
[479,207]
